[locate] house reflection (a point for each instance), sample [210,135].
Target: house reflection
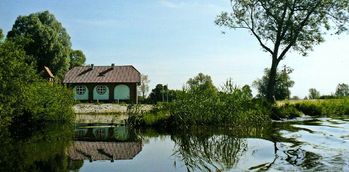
[95,143]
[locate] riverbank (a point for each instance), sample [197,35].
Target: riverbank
[107,113]
[109,108]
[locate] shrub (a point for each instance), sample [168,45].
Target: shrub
[218,109]
[285,111]
[45,102]
[158,116]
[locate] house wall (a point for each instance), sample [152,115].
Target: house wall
[111,96]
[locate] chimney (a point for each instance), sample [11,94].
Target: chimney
[92,66]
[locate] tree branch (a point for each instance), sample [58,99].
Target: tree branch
[297,31]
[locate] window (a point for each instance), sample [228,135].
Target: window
[80,90]
[101,89]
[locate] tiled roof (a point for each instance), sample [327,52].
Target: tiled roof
[102,74]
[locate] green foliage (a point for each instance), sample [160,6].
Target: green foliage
[225,108]
[342,90]
[313,93]
[15,75]
[41,149]
[282,85]
[158,116]
[46,40]
[48,102]
[23,96]
[285,111]
[201,83]
[280,26]
[161,93]
[328,107]
[205,148]
[77,58]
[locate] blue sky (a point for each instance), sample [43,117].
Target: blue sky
[173,40]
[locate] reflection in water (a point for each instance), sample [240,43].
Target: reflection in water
[24,149]
[104,143]
[310,145]
[207,149]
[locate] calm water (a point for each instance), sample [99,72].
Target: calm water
[304,145]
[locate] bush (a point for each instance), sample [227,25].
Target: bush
[158,116]
[44,102]
[326,107]
[285,111]
[204,108]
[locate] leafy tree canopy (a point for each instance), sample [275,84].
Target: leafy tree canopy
[201,83]
[280,26]
[283,83]
[158,94]
[15,75]
[77,58]
[313,93]
[44,38]
[342,90]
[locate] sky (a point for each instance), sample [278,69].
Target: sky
[173,40]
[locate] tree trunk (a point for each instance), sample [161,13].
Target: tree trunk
[272,81]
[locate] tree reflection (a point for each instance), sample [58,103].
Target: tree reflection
[207,149]
[28,149]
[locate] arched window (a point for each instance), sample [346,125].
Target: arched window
[80,92]
[80,89]
[101,89]
[122,92]
[101,92]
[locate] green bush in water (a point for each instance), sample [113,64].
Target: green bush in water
[285,112]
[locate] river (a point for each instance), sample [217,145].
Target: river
[305,144]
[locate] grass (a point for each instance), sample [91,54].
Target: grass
[158,116]
[320,107]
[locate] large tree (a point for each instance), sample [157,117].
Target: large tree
[280,26]
[159,93]
[342,90]
[283,83]
[46,40]
[144,87]
[313,93]
[201,83]
[77,58]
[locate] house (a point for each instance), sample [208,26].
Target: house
[104,83]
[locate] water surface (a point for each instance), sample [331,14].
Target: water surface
[320,144]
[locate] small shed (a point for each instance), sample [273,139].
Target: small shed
[47,74]
[104,83]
